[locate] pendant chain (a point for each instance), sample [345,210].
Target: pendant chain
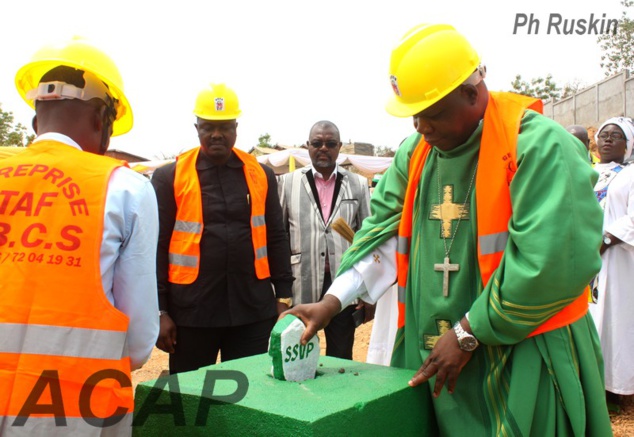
[464,204]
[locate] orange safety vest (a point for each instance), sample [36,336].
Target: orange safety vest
[496,168]
[184,250]
[63,345]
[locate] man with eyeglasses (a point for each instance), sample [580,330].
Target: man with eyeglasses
[613,298]
[312,198]
[487,220]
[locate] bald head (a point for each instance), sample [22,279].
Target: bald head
[87,122]
[325,124]
[581,133]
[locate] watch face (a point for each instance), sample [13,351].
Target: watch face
[468,343]
[607,240]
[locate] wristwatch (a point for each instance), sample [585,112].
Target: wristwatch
[607,240]
[466,341]
[286,300]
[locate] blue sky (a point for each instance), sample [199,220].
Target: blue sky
[291,62]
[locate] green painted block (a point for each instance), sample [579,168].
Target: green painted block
[292,361]
[347,398]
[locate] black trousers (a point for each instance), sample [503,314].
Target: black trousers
[199,347]
[340,330]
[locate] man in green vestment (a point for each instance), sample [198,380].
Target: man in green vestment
[490,346]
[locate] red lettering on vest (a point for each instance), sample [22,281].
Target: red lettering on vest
[42,202]
[21,170]
[38,168]
[72,239]
[64,182]
[5,201]
[26,202]
[71,191]
[6,172]
[79,207]
[54,175]
[27,233]
[5,228]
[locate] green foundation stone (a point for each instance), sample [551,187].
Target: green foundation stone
[292,361]
[242,398]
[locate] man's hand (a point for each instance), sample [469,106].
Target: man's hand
[605,247]
[167,334]
[370,309]
[446,361]
[315,315]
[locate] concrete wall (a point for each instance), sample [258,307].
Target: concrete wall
[591,106]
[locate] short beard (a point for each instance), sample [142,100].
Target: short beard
[323,164]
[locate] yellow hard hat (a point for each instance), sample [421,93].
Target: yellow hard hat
[80,54]
[429,62]
[217,102]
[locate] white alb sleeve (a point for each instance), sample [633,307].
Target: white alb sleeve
[369,278]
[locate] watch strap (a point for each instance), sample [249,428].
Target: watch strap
[288,301]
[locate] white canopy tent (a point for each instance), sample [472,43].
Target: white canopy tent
[281,161]
[148,167]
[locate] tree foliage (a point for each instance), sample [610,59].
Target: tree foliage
[539,87]
[618,47]
[572,88]
[13,134]
[384,151]
[264,141]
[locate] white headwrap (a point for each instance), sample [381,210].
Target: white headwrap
[627,126]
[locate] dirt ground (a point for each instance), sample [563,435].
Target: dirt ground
[622,424]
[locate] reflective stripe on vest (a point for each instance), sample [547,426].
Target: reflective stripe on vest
[416,164]
[57,328]
[26,338]
[493,243]
[188,227]
[496,169]
[184,250]
[67,426]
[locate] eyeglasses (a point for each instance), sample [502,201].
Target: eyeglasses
[615,136]
[331,144]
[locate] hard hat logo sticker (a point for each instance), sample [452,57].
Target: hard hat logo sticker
[394,83]
[220,104]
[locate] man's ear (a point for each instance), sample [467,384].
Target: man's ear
[99,118]
[470,92]
[34,124]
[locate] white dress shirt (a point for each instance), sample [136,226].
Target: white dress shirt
[128,254]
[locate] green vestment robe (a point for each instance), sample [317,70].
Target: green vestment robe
[546,385]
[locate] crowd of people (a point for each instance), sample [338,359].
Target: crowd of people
[510,252]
